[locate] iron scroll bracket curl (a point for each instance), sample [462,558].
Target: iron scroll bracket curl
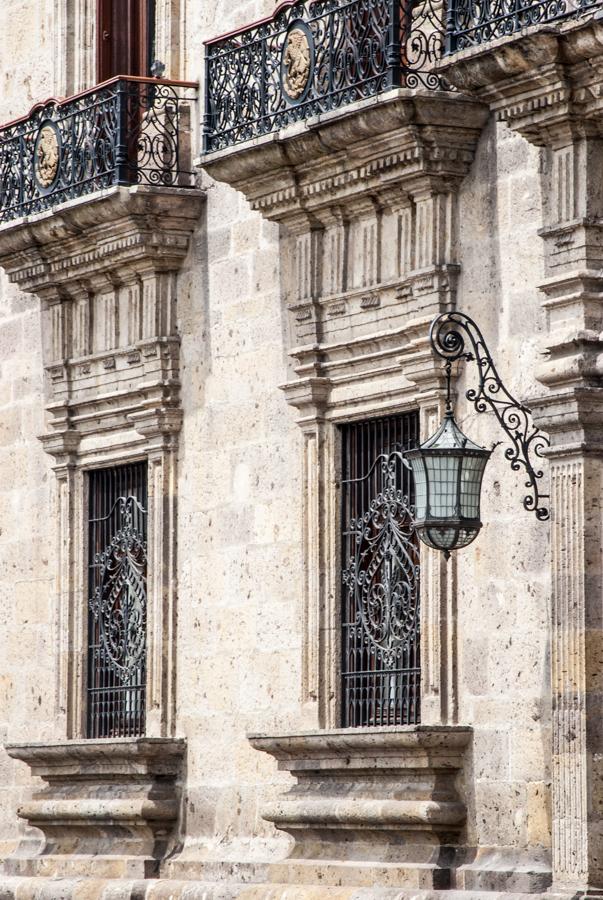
[455,336]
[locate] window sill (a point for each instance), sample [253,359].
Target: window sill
[115,800]
[387,796]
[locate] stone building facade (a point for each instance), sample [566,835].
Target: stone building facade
[218,275]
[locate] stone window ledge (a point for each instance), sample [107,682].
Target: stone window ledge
[382,795]
[101,799]
[111,756]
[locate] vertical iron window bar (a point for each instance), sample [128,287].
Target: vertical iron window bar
[380,647]
[117,604]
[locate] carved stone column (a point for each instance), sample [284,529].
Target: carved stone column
[548,85]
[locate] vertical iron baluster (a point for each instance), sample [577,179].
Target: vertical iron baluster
[121,137]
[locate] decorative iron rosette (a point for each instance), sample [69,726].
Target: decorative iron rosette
[47,156]
[297,62]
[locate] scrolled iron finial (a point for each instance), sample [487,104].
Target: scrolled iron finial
[450,335]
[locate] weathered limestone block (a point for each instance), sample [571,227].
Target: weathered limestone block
[108,808]
[374,806]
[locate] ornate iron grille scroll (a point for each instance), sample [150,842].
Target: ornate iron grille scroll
[473,22]
[528,443]
[312,57]
[380,655]
[117,605]
[126,131]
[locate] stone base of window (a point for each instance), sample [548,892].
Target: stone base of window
[371,807]
[101,889]
[107,808]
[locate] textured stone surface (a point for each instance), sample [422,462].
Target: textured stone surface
[256,589]
[371,806]
[112,804]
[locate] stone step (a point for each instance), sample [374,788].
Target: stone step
[162,889]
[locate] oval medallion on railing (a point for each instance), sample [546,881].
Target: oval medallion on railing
[297,62]
[47,156]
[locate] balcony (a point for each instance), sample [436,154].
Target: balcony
[470,23]
[126,131]
[311,58]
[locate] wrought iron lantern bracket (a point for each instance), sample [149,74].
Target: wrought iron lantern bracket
[455,336]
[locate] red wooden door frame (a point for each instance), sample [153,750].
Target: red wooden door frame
[122,44]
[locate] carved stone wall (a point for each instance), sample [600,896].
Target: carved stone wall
[251,599]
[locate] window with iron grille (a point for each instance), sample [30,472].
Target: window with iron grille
[380,641]
[117,604]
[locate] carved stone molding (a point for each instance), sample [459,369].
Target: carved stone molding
[364,151]
[544,81]
[367,197]
[107,808]
[105,268]
[383,795]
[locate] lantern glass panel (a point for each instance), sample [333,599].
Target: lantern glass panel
[448,470]
[471,483]
[418,470]
[443,477]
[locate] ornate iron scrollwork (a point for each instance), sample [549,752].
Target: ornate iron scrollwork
[474,22]
[313,57]
[125,132]
[119,603]
[383,575]
[447,336]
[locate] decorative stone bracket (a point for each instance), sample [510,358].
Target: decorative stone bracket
[108,807]
[387,796]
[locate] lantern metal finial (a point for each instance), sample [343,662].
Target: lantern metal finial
[449,467]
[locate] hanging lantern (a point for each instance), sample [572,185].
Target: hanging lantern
[448,470]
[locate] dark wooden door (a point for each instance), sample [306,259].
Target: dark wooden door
[123,38]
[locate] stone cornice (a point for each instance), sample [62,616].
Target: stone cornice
[543,81]
[401,140]
[115,234]
[125,756]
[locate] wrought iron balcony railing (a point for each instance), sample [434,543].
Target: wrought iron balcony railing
[470,23]
[313,56]
[124,131]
